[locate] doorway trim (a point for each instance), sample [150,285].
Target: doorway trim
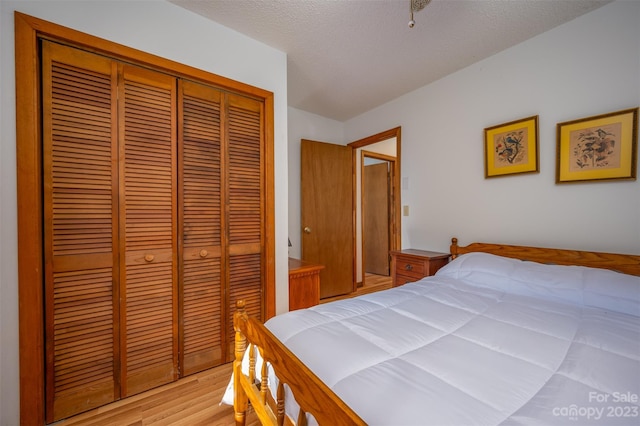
[396,231]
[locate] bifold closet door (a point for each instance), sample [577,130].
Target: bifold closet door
[202,293]
[148,231]
[110,229]
[80,225]
[245,171]
[222,189]
[153,226]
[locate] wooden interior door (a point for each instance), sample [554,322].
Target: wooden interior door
[375,217]
[109,141]
[200,186]
[148,229]
[244,161]
[327,214]
[80,202]
[144,264]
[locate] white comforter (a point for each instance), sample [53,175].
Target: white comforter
[487,341]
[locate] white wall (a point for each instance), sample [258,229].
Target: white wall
[586,67]
[156,27]
[304,125]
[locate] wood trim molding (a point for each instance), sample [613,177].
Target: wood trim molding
[378,137]
[30,261]
[270,214]
[28,30]
[49,30]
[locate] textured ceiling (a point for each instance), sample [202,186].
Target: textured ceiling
[346,57]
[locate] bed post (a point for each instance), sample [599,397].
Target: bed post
[453,249]
[240,402]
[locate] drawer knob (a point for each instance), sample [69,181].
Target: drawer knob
[408,267]
[149,257]
[203,253]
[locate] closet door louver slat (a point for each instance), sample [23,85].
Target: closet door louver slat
[245,220]
[201,260]
[79,151]
[148,211]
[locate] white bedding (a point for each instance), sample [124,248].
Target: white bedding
[487,341]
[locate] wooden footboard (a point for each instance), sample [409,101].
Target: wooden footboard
[311,394]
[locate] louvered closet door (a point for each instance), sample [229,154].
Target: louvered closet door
[245,205]
[80,219]
[153,226]
[149,315]
[200,208]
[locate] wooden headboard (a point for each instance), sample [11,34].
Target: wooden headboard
[625,263]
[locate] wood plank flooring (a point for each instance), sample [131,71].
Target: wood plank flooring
[371,283]
[191,401]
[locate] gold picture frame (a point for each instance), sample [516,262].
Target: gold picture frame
[511,148]
[601,147]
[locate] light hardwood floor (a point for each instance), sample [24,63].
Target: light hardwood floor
[191,401]
[371,283]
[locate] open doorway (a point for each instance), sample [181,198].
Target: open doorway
[376,212]
[377,205]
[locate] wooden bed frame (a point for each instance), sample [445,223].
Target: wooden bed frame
[311,394]
[625,263]
[316,398]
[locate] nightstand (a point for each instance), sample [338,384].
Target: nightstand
[304,284]
[410,265]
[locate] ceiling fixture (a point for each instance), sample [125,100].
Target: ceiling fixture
[416,6]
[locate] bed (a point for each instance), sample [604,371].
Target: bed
[501,335]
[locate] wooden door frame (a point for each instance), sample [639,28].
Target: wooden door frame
[392,196]
[28,31]
[396,241]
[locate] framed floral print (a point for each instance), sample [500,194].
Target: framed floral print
[511,148]
[602,147]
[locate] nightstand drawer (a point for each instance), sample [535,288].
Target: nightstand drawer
[411,265]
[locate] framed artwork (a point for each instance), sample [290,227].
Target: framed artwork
[602,147]
[511,148]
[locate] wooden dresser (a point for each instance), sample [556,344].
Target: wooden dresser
[304,284]
[410,265]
